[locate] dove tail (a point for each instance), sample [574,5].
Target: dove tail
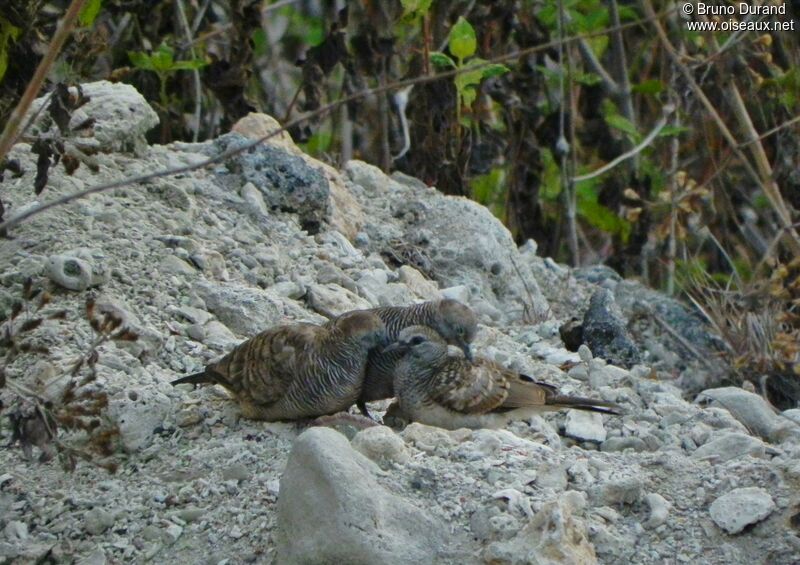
[197,378]
[582,403]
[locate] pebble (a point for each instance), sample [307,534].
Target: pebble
[586,426]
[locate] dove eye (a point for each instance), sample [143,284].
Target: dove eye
[416,340]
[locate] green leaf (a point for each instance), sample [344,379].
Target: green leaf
[622,123]
[441,60]
[467,79]
[89,12]
[162,58]
[494,70]
[188,65]
[8,32]
[141,60]
[669,131]
[652,86]
[462,42]
[598,215]
[415,8]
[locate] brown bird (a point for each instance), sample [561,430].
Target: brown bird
[452,320]
[443,390]
[300,370]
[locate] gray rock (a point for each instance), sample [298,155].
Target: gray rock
[246,310]
[659,510]
[554,535]
[121,117]
[382,445]
[622,443]
[741,507]
[78,269]
[236,472]
[751,410]
[625,490]
[16,531]
[330,300]
[586,426]
[254,199]
[331,509]
[730,445]
[138,413]
[174,265]
[217,335]
[793,414]
[457,241]
[286,181]
[97,520]
[605,331]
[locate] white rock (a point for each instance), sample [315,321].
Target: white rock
[138,412]
[121,117]
[730,445]
[585,426]
[552,536]
[16,531]
[659,510]
[331,300]
[751,410]
[459,292]
[78,269]
[741,507]
[382,445]
[585,353]
[331,509]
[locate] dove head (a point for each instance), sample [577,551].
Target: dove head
[456,323]
[421,342]
[362,326]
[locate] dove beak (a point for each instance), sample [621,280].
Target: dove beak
[467,351]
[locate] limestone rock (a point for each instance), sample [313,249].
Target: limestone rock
[741,507]
[331,509]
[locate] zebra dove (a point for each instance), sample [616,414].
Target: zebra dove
[452,320]
[300,370]
[443,390]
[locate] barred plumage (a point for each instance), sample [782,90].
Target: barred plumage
[453,321]
[300,370]
[439,389]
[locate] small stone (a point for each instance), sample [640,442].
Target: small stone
[741,507]
[626,490]
[78,269]
[731,445]
[97,520]
[191,514]
[460,293]
[16,531]
[382,445]
[585,353]
[173,532]
[586,426]
[174,265]
[622,443]
[236,472]
[659,509]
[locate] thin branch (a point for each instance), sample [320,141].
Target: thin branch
[198,95]
[772,131]
[36,210]
[666,111]
[767,186]
[59,37]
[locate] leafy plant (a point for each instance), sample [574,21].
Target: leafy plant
[462,44]
[8,33]
[162,62]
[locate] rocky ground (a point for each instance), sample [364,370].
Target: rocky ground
[197,262]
